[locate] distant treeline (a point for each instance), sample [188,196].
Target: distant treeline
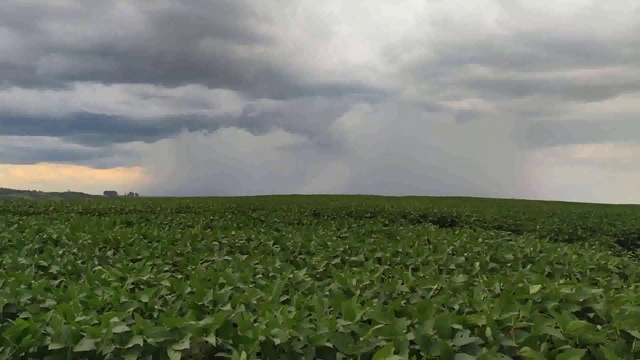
[38,193]
[112,193]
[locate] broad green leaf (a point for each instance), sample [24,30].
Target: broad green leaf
[534,288]
[463,338]
[211,339]
[371,331]
[343,342]
[56,346]
[609,353]
[464,356]
[443,326]
[529,353]
[572,354]
[136,340]
[131,354]
[578,327]
[174,354]
[385,353]
[279,336]
[183,344]
[119,329]
[548,330]
[85,344]
[350,310]
[634,333]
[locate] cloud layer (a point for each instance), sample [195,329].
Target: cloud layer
[489,98]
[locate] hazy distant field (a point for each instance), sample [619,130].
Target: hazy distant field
[323,277]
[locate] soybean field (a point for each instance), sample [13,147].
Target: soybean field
[318,277]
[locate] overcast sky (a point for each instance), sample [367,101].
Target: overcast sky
[502,98]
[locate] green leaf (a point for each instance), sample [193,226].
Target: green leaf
[534,289]
[609,353]
[279,336]
[488,333]
[506,341]
[463,338]
[444,350]
[131,354]
[371,331]
[349,309]
[634,333]
[56,346]
[343,342]
[183,344]
[585,332]
[529,353]
[214,322]
[157,335]
[211,339]
[464,356]
[385,353]
[173,354]
[136,340]
[85,344]
[548,330]
[476,319]
[578,327]
[458,279]
[572,354]
[443,326]
[120,329]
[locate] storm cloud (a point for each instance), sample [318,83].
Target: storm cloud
[411,97]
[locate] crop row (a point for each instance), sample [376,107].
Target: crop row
[563,222]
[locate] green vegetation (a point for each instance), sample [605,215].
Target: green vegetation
[324,277]
[6,193]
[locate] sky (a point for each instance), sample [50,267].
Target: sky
[504,98]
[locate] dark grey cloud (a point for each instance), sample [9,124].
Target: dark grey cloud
[33,149]
[99,158]
[220,44]
[100,130]
[34,156]
[308,116]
